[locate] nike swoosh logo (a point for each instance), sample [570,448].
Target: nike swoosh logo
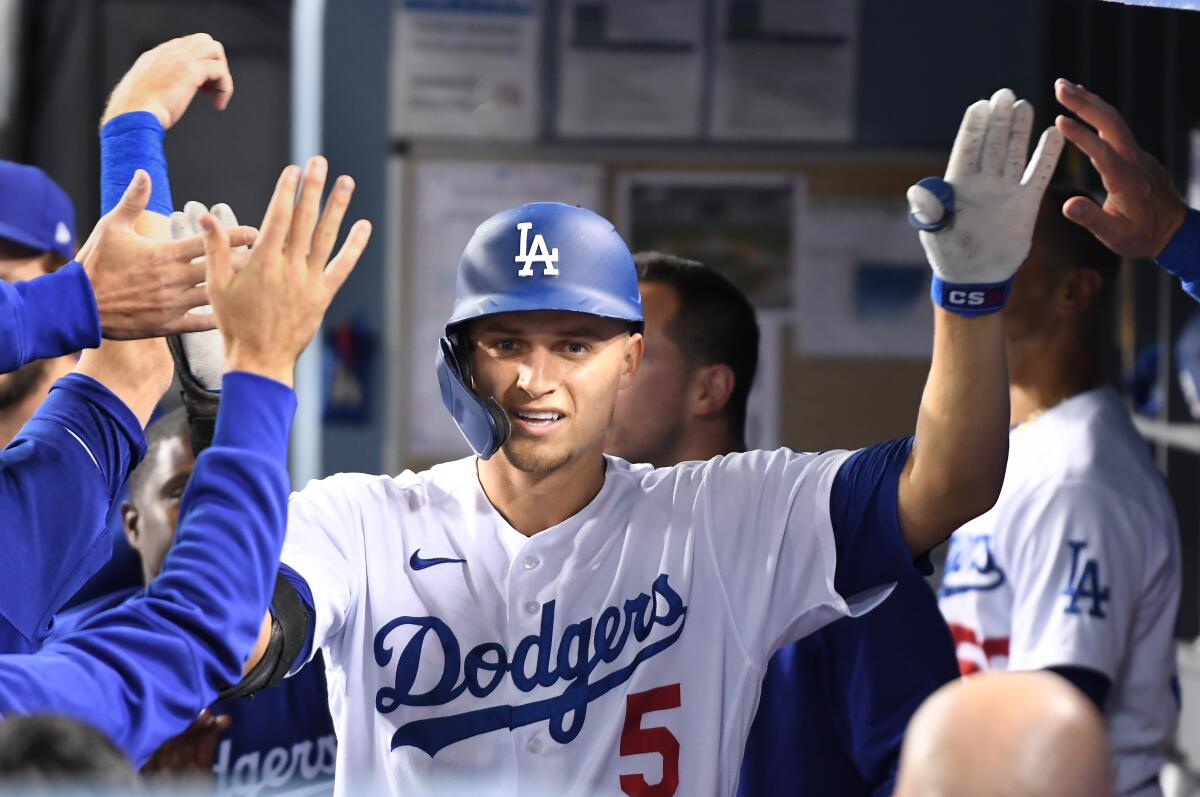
[417,563]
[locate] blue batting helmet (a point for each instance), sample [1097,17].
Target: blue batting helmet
[540,256]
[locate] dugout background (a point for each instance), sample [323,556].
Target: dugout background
[919,63]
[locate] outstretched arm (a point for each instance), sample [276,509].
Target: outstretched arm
[976,228]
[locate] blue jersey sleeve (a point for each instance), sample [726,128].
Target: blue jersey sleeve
[866,525]
[142,671]
[1181,255]
[58,478]
[45,317]
[304,592]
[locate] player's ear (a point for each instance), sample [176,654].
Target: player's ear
[714,387]
[631,358]
[130,520]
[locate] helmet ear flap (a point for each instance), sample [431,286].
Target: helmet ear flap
[483,422]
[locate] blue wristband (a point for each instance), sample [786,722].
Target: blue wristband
[130,142]
[970,300]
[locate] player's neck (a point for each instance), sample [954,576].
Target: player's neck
[1042,373]
[14,417]
[534,502]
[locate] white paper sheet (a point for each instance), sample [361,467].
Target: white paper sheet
[630,68]
[451,199]
[785,70]
[466,69]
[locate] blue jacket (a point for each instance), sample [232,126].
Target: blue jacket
[140,672]
[64,469]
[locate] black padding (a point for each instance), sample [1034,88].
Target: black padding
[289,630]
[200,403]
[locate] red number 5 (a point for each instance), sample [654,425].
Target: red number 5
[636,740]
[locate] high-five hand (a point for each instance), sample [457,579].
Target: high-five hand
[1142,210]
[977,223]
[269,309]
[144,288]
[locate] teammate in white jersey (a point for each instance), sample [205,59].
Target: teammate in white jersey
[542,616]
[1076,569]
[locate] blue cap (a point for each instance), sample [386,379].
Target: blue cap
[34,211]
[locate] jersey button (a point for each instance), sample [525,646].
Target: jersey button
[535,746]
[532,607]
[531,562]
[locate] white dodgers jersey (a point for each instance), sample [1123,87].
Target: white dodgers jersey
[1077,565]
[618,653]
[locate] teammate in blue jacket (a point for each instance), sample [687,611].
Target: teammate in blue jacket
[142,671]
[1143,216]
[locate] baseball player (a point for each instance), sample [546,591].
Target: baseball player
[1143,215]
[834,705]
[141,672]
[542,616]
[1077,567]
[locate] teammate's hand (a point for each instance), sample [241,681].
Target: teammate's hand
[204,351]
[1142,210]
[270,309]
[191,753]
[164,80]
[145,288]
[996,196]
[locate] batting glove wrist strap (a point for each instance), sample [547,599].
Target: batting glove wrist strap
[969,300]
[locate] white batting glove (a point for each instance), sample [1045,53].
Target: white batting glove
[205,351]
[977,223]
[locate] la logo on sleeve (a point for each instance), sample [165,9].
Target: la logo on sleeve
[540,253]
[1083,585]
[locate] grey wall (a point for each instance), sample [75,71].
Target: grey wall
[357,39]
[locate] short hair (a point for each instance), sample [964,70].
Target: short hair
[44,749]
[715,323]
[171,425]
[1071,245]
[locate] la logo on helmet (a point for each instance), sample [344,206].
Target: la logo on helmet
[540,253]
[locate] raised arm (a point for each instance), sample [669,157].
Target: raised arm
[976,226]
[158,659]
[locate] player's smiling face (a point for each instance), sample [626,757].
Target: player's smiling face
[556,374]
